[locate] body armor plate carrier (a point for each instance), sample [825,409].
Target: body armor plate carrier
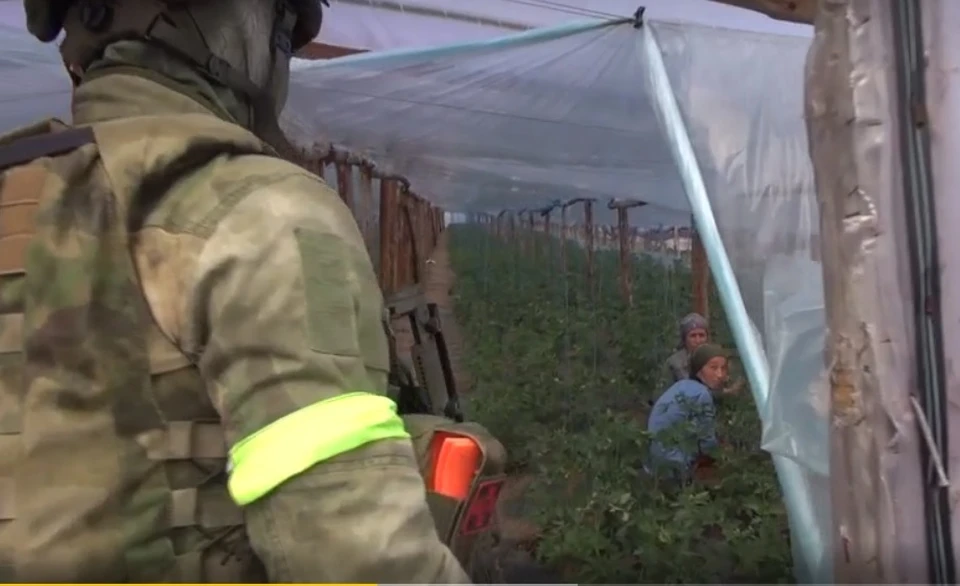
[75,331]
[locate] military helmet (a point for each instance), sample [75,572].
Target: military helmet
[45,18]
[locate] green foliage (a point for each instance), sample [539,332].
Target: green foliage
[563,376]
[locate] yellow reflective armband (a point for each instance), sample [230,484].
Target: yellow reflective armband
[262,461]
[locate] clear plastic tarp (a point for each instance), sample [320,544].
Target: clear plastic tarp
[746,126]
[575,111]
[506,124]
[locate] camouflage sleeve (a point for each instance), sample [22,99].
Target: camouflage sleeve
[287,326]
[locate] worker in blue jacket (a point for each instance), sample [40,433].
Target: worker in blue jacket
[682,423]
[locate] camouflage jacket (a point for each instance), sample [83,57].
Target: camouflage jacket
[262,305]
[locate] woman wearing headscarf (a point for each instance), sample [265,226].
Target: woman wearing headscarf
[682,422]
[693,333]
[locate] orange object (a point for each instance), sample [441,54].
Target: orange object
[455,462]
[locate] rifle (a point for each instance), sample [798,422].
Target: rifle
[431,388]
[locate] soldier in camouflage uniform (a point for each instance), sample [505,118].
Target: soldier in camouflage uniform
[193,365]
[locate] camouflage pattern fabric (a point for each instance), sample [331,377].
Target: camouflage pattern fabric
[250,296]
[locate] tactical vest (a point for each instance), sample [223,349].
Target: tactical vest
[145,499]
[149,501]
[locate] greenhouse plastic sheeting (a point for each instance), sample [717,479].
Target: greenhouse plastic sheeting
[33,83]
[741,99]
[571,112]
[511,123]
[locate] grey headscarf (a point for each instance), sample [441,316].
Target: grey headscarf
[690,322]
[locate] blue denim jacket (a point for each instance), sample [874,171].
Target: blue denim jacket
[687,400]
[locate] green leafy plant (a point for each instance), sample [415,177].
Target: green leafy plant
[563,375]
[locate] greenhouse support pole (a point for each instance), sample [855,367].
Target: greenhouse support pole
[407,240]
[546,222]
[804,528]
[422,232]
[700,272]
[625,256]
[520,233]
[588,229]
[529,37]
[432,222]
[563,238]
[345,181]
[412,249]
[548,244]
[401,241]
[533,234]
[365,204]
[388,209]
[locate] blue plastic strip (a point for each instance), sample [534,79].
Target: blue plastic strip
[529,37]
[804,528]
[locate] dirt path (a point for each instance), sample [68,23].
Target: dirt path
[438,284]
[439,280]
[519,535]
[512,559]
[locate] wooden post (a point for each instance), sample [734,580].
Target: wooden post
[345,180]
[545,213]
[565,233]
[533,233]
[415,245]
[563,238]
[431,224]
[623,227]
[426,228]
[365,205]
[522,237]
[388,229]
[700,272]
[404,240]
[425,232]
[591,245]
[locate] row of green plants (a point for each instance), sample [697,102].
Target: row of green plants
[563,375]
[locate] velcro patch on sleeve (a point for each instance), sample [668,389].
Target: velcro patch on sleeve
[328,286]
